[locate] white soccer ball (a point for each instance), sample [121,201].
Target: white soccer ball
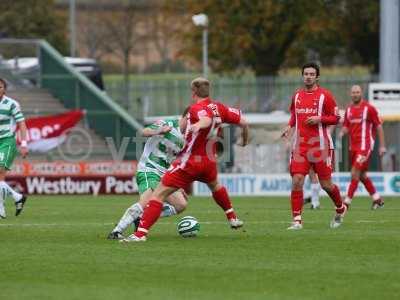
[188,227]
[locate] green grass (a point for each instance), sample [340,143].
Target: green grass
[57,249]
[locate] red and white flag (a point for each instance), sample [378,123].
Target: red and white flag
[46,133]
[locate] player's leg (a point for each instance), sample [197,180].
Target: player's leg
[324,168]
[358,162]
[172,181]
[355,178]
[8,151]
[131,214]
[134,213]
[146,182]
[307,193]
[175,204]
[151,213]
[296,200]
[221,197]
[312,195]
[149,181]
[334,193]
[3,195]
[299,167]
[315,189]
[208,174]
[377,201]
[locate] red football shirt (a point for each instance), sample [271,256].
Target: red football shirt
[361,121]
[305,104]
[203,142]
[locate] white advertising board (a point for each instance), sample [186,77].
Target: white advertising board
[387,184]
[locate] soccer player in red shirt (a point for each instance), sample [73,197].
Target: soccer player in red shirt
[313,109]
[361,122]
[197,161]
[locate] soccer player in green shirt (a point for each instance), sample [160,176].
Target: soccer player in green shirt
[165,142]
[10,115]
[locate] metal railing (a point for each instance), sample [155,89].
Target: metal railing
[73,89]
[263,94]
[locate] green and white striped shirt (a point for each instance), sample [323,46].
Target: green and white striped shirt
[161,150]
[10,113]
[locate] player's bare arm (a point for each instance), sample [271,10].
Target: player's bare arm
[245,132]
[148,132]
[326,120]
[203,122]
[24,135]
[381,136]
[313,120]
[287,131]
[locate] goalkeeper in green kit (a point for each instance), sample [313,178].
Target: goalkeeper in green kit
[165,141]
[10,115]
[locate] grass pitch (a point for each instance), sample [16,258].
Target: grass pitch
[57,249]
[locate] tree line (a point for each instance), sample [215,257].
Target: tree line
[259,35]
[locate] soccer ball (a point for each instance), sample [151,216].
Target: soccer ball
[188,227]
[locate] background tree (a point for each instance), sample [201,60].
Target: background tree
[162,29]
[124,37]
[93,34]
[33,19]
[265,35]
[359,25]
[320,38]
[339,32]
[255,34]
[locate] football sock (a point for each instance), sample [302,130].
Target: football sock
[296,198]
[130,215]
[168,210]
[222,199]
[369,186]
[9,191]
[315,188]
[352,188]
[2,198]
[334,194]
[151,213]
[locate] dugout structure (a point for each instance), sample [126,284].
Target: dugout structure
[386,98]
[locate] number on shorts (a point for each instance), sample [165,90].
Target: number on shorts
[361,159]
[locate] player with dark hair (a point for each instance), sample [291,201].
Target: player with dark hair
[313,109]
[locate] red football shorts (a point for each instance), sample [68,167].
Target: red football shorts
[197,168]
[322,162]
[360,159]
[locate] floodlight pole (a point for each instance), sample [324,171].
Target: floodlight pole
[72,28]
[205,51]
[202,21]
[389,60]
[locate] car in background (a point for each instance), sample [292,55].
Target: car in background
[27,69]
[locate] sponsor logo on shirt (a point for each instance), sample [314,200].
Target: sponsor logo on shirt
[234,110]
[202,113]
[306,110]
